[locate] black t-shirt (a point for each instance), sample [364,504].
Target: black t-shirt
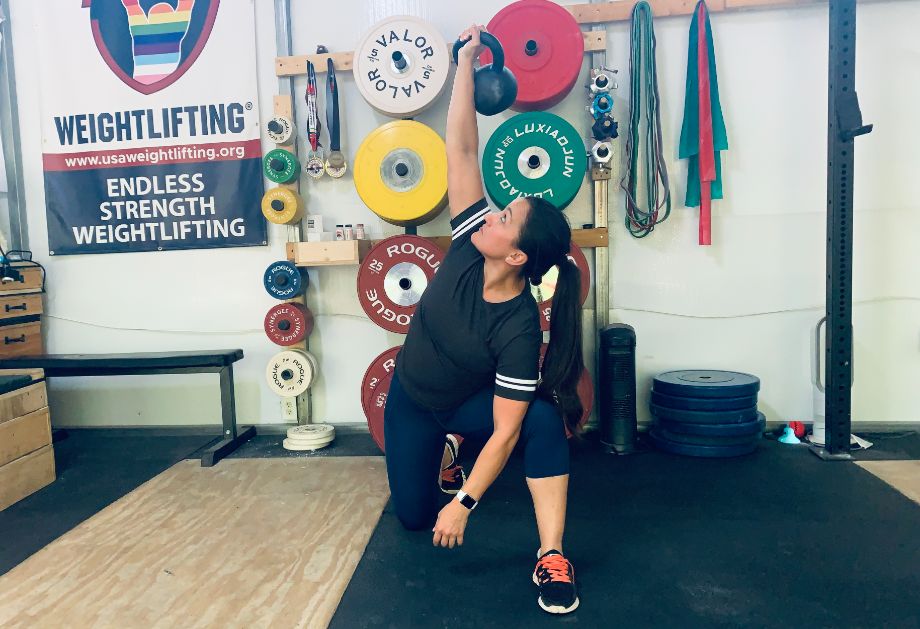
[458,343]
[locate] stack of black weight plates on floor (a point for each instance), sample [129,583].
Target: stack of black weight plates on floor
[706,413]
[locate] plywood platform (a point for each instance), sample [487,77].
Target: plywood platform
[248,543]
[902,475]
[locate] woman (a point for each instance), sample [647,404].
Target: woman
[469,364]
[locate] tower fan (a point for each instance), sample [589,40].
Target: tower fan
[617,388]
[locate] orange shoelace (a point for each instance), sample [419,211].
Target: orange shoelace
[554,568]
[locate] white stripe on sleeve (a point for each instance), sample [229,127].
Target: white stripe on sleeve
[516,383]
[468,224]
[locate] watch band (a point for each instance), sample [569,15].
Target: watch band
[467,500]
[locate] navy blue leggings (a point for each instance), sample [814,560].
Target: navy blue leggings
[414,438]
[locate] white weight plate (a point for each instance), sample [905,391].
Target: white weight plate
[312,443]
[311,431]
[320,441]
[293,445]
[315,363]
[291,372]
[401,92]
[280,130]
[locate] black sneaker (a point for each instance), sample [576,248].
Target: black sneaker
[556,577]
[452,477]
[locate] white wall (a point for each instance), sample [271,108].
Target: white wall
[749,302]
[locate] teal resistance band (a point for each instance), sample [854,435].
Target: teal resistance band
[643,85]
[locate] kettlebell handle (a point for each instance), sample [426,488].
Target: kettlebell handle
[489,41]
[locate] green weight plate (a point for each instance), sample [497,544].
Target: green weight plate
[281,166]
[534,154]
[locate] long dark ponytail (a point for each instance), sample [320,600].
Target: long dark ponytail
[546,239]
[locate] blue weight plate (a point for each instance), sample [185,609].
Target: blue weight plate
[704,417]
[703,383]
[704,404]
[704,440]
[701,451]
[755,427]
[283,280]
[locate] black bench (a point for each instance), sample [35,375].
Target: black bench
[217,361]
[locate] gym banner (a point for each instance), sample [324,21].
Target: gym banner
[150,124]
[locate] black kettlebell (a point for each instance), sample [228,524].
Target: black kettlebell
[494,85]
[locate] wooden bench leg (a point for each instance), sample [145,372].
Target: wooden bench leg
[231,438]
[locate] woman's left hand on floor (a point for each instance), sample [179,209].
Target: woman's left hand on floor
[448,531]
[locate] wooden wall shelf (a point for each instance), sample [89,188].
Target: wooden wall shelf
[353,252]
[602,12]
[328,253]
[584,238]
[595,41]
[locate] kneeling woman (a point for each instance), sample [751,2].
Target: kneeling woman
[469,364]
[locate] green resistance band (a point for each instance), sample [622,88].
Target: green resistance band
[643,85]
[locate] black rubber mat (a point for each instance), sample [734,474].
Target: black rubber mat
[778,538]
[886,446]
[94,469]
[890,446]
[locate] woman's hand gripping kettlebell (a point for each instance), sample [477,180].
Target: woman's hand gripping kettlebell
[471,46]
[495,87]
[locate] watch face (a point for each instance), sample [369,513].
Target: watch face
[468,501]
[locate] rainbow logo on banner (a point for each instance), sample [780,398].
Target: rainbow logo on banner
[150,44]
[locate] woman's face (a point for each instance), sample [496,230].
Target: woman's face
[497,237]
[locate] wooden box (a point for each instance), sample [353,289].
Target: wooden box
[35,374]
[21,305]
[31,281]
[23,435]
[26,475]
[26,453]
[21,339]
[23,401]
[330,253]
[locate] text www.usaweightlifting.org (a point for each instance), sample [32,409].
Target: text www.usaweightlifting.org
[155,156]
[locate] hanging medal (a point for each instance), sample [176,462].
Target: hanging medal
[313,165]
[335,165]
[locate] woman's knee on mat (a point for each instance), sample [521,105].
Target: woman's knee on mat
[415,519]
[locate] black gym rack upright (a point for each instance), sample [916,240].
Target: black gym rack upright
[844,124]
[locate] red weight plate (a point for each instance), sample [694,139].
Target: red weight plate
[544,48]
[585,390]
[288,324]
[586,395]
[545,291]
[393,277]
[374,389]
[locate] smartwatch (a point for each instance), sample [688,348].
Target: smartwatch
[466,500]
